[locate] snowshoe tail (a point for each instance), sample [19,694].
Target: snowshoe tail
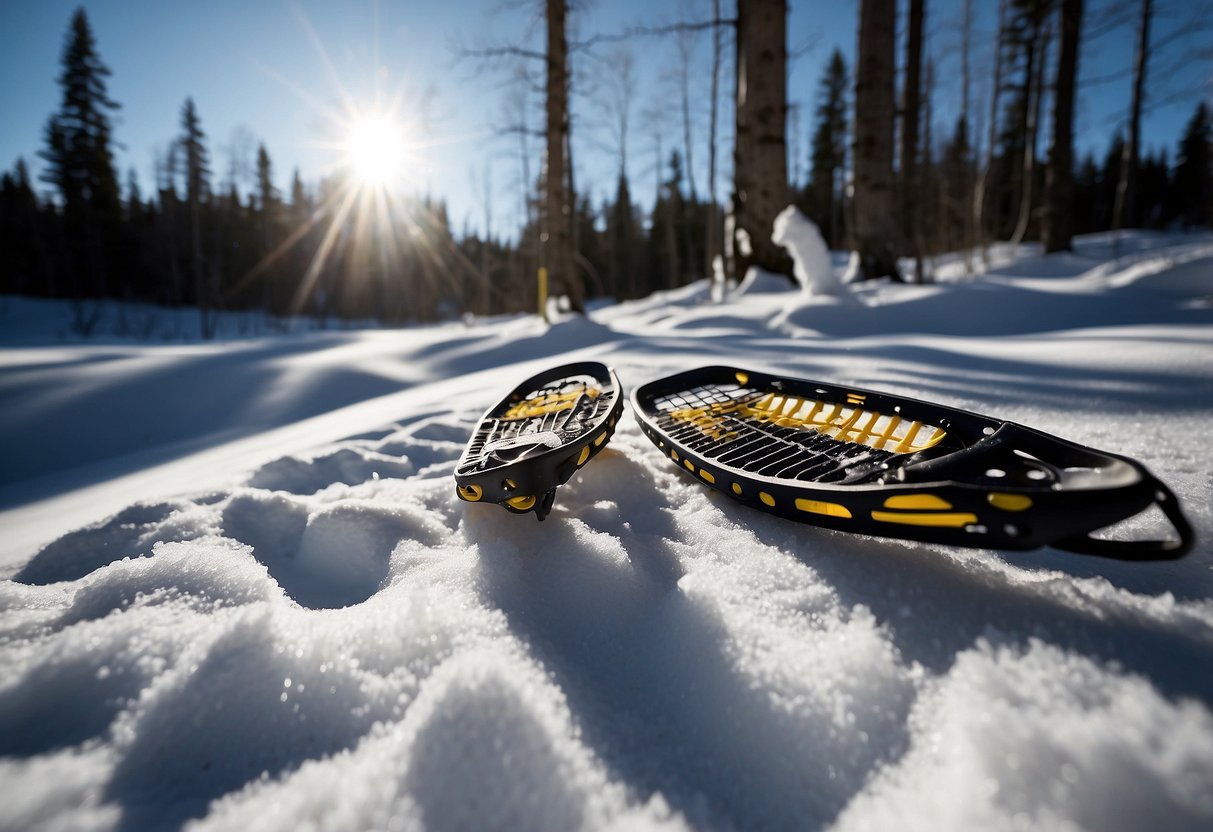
[538,436]
[863,461]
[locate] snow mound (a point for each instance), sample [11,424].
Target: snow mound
[761,282]
[810,257]
[1042,738]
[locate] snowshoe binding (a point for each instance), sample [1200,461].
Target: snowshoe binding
[862,461]
[537,437]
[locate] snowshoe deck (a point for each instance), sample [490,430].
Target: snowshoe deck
[862,461]
[537,437]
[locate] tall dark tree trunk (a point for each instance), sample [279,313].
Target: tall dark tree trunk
[1059,177]
[760,155]
[558,218]
[874,227]
[911,95]
[1126,187]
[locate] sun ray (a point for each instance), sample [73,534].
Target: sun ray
[326,246]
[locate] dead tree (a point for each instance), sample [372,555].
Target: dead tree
[558,216]
[983,176]
[1036,50]
[1126,187]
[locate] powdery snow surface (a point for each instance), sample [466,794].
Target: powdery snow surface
[244,595]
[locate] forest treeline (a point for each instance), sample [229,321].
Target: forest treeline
[878,181]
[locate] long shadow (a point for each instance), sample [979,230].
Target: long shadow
[648,673]
[937,603]
[161,415]
[988,309]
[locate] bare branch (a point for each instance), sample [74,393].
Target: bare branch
[491,52]
[651,31]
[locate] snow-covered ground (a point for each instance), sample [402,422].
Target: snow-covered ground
[242,593]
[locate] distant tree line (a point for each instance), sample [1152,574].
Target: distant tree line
[879,182]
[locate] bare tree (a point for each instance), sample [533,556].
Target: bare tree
[1036,49]
[1126,187]
[558,216]
[874,226]
[686,40]
[1059,177]
[760,163]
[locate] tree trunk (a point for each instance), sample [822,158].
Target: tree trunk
[979,189]
[966,82]
[1126,187]
[1059,182]
[874,227]
[911,94]
[1038,50]
[558,218]
[760,155]
[711,248]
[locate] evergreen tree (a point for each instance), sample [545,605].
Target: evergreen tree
[19,237]
[828,154]
[80,165]
[622,233]
[197,190]
[1194,171]
[1086,195]
[267,194]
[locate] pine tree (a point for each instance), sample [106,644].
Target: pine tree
[267,194]
[197,191]
[622,234]
[828,153]
[1194,171]
[80,165]
[19,237]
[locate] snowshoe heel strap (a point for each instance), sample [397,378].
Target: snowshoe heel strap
[1139,550]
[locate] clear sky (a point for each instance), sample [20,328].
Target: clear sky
[290,73]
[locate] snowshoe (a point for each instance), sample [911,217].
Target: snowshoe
[538,436]
[862,461]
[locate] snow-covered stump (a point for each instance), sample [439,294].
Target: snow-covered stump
[810,257]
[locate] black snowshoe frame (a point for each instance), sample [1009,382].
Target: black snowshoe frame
[538,436]
[862,461]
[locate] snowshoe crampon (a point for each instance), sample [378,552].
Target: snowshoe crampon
[538,436]
[861,461]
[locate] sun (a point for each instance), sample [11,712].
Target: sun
[375,151]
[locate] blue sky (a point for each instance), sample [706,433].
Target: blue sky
[275,71]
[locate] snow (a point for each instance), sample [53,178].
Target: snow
[810,257]
[242,593]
